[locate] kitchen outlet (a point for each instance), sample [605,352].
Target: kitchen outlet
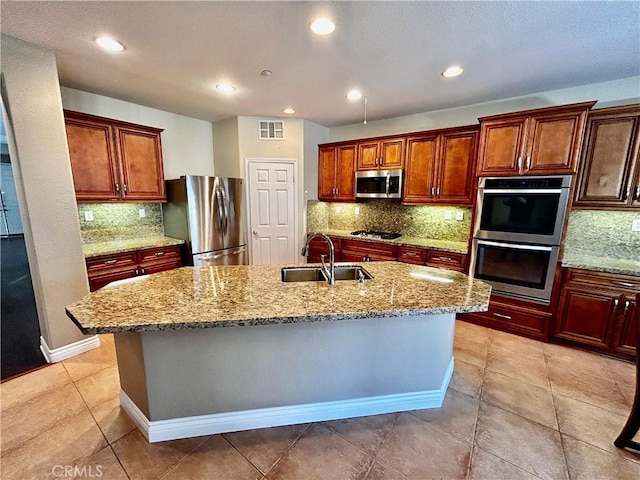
[635,226]
[88,216]
[338,209]
[448,215]
[460,216]
[356,210]
[142,213]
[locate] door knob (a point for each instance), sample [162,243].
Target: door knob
[255,232]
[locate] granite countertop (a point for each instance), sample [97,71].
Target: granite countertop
[127,245]
[430,243]
[202,297]
[601,264]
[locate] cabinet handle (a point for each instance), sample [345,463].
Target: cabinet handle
[626,305]
[627,192]
[110,262]
[124,188]
[142,271]
[444,258]
[637,196]
[411,254]
[117,188]
[137,272]
[157,254]
[438,191]
[500,315]
[433,191]
[615,302]
[627,284]
[520,165]
[528,163]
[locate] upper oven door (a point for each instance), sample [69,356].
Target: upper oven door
[379,184]
[532,215]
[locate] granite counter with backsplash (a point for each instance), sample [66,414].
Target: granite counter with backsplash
[420,226]
[602,241]
[119,228]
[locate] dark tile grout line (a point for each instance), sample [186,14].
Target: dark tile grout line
[173,467]
[384,442]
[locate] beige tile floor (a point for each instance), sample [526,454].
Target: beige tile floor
[516,408]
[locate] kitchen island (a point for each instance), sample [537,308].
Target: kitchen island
[291,353]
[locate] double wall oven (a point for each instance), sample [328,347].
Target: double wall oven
[517,234]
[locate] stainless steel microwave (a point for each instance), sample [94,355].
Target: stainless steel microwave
[379,184]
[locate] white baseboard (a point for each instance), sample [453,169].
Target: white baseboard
[54,355]
[185,427]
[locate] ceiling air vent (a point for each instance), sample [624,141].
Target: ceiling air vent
[271,129]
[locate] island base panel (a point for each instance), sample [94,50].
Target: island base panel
[204,381]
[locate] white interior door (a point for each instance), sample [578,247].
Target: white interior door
[10,223]
[272,212]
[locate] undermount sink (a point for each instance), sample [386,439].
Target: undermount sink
[315,274]
[351,272]
[303,274]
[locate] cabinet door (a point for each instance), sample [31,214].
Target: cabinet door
[553,143]
[392,153]
[456,168]
[501,145]
[345,173]
[419,175]
[368,156]
[585,316]
[141,164]
[93,159]
[626,336]
[610,155]
[326,172]
[413,255]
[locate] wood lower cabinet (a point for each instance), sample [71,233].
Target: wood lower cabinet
[417,256]
[596,311]
[535,142]
[336,173]
[113,160]
[515,316]
[380,154]
[104,269]
[319,247]
[449,260]
[440,167]
[609,175]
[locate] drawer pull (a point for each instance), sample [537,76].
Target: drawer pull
[449,259]
[157,254]
[627,284]
[615,302]
[110,262]
[500,315]
[410,254]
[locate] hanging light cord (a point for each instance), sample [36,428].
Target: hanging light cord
[366,100]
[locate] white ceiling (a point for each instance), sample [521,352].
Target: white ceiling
[393,51]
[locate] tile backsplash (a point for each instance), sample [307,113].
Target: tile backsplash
[423,221]
[118,221]
[603,233]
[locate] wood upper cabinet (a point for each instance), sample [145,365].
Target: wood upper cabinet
[597,310]
[336,173]
[114,161]
[381,154]
[545,141]
[440,167]
[609,176]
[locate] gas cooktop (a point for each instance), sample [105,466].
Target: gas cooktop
[374,234]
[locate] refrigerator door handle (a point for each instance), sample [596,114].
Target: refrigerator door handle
[220,196]
[225,211]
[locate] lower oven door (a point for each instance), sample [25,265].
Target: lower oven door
[516,269]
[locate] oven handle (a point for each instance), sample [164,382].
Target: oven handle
[538,248]
[525,190]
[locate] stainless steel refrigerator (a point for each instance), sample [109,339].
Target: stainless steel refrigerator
[209,214]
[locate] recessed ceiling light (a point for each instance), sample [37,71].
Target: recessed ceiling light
[354,95]
[453,71]
[322,26]
[108,43]
[226,88]
[289,111]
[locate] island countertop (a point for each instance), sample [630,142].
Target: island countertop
[244,295]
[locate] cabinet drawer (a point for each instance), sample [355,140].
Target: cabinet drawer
[370,248]
[446,259]
[412,255]
[160,267]
[100,279]
[111,262]
[513,319]
[160,254]
[604,280]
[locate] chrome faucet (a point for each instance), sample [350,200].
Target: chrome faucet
[329,272]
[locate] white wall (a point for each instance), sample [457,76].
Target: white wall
[225,149]
[42,172]
[187,143]
[616,92]
[314,134]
